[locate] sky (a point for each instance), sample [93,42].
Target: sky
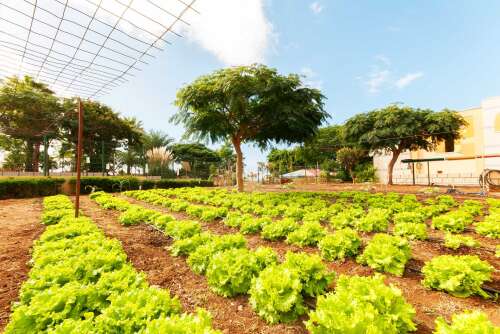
[362,54]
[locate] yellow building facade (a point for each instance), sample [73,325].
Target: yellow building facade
[480,137]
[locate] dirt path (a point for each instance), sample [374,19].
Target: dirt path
[20,226]
[145,248]
[428,304]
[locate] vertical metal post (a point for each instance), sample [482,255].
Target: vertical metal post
[413,172]
[103,161]
[428,174]
[45,156]
[79,156]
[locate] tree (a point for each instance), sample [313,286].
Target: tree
[396,128]
[29,111]
[198,156]
[249,104]
[349,157]
[155,139]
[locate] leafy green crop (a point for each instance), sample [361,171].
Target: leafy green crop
[339,245]
[235,219]
[490,226]
[386,253]
[135,215]
[199,259]
[189,245]
[461,276]
[456,241]
[308,234]
[230,272]
[412,231]
[254,225]
[408,217]
[201,323]
[362,305]
[182,229]
[276,294]
[454,221]
[376,220]
[346,217]
[279,229]
[313,273]
[469,322]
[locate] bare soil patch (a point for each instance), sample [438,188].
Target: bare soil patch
[20,226]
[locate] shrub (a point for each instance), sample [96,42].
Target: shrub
[312,271]
[461,276]
[362,305]
[276,294]
[279,229]
[308,234]
[23,187]
[412,231]
[340,244]
[465,323]
[386,253]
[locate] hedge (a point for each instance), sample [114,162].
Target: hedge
[117,183]
[21,187]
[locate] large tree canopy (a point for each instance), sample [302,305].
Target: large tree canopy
[396,128]
[250,104]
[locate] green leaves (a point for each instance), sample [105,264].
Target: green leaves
[456,241]
[386,253]
[362,305]
[461,276]
[454,221]
[279,229]
[276,294]
[308,234]
[339,245]
[182,229]
[469,322]
[411,231]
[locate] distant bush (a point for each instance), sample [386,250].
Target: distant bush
[22,187]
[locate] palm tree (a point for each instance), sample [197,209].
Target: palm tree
[134,153]
[156,138]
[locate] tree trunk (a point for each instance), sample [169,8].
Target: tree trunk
[395,156]
[239,163]
[36,157]
[28,164]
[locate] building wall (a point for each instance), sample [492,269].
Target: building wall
[481,136]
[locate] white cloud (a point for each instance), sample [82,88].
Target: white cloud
[407,79]
[381,76]
[236,31]
[316,7]
[311,78]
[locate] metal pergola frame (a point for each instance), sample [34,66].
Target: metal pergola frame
[79,59]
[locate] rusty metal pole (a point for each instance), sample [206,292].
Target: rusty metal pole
[79,156]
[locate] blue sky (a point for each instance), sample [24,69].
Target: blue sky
[361,54]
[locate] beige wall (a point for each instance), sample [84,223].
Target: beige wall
[480,136]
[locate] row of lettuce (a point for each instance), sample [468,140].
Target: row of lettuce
[81,282]
[363,211]
[278,290]
[384,252]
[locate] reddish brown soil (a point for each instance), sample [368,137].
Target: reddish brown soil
[428,304]
[20,226]
[145,248]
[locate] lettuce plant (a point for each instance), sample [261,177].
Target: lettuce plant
[461,276]
[466,322]
[279,229]
[386,253]
[276,294]
[412,231]
[362,305]
[182,229]
[339,245]
[308,234]
[456,241]
[490,226]
[376,220]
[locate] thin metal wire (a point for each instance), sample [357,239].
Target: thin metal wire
[80,49]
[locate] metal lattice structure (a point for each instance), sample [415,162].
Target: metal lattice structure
[86,47]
